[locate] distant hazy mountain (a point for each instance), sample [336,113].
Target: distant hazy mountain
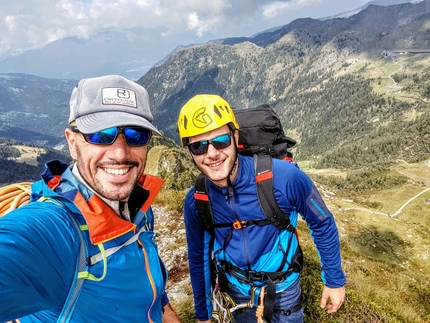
[373,2]
[34,109]
[347,14]
[128,53]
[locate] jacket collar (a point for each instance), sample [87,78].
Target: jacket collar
[103,222]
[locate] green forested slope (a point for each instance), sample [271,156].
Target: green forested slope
[339,90]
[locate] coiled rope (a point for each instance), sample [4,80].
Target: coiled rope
[13,196]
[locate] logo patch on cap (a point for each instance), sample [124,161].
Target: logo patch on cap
[118,96]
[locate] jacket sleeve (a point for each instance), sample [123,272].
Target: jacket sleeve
[305,197]
[164,299]
[38,251]
[199,258]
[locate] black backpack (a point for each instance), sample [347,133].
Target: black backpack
[260,135]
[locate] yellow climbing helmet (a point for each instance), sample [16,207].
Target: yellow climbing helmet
[204,113]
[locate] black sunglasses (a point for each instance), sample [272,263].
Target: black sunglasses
[134,136]
[201,147]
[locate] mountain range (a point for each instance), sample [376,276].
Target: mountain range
[340,85]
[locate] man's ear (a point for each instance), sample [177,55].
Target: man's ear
[236,136]
[71,140]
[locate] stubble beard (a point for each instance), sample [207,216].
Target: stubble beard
[113,192]
[220,182]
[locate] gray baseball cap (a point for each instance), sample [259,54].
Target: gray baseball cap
[109,101]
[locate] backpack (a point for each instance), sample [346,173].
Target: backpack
[260,135]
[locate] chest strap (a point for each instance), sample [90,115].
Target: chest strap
[110,251]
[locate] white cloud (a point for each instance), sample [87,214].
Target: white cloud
[271,10]
[29,24]
[202,26]
[193,21]
[276,8]
[10,22]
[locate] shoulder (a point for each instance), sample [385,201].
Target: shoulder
[287,174]
[287,167]
[190,194]
[285,164]
[40,223]
[189,202]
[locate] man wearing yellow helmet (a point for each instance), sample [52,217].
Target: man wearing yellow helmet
[210,113]
[256,255]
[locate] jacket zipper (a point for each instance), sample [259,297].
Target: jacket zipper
[151,280]
[245,244]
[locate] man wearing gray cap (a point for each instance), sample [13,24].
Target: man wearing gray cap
[83,249]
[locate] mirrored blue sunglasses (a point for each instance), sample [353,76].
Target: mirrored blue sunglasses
[201,147]
[134,136]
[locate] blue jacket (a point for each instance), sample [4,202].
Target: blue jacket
[259,247]
[39,246]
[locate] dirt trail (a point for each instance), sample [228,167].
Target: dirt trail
[407,202]
[409,175]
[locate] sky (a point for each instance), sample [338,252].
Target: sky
[31,24]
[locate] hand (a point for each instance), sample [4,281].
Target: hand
[336,297]
[169,315]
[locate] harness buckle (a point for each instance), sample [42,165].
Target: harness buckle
[254,276]
[238,225]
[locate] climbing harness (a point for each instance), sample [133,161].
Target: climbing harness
[224,306]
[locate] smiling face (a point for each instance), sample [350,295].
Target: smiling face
[110,170]
[217,164]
